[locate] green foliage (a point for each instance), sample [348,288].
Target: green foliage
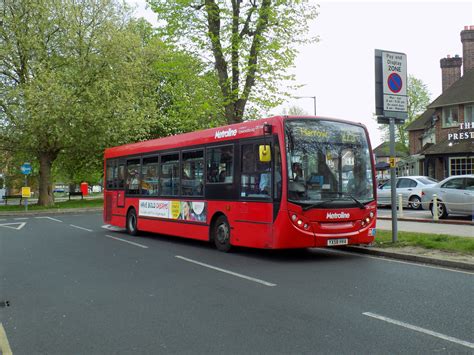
[252,43]
[77,77]
[61,205]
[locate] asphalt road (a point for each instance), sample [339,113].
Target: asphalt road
[75,287]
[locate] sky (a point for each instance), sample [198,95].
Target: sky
[339,69]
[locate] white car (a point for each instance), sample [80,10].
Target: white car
[409,186]
[455,195]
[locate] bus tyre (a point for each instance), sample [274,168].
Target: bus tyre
[221,234]
[132,222]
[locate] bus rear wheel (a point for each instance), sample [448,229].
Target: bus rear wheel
[221,234]
[132,222]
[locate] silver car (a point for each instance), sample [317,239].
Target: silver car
[455,195]
[409,187]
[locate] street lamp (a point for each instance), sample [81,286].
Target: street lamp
[308,97]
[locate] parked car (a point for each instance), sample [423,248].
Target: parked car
[455,195]
[409,186]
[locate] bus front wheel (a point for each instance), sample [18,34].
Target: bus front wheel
[132,222]
[221,234]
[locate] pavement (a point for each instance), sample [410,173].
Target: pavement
[420,255]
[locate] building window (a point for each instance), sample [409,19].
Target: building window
[450,116]
[461,166]
[469,113]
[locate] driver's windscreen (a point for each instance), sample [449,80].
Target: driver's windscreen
[327,160]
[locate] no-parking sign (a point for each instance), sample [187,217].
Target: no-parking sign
[391,84]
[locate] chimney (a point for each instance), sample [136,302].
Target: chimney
[467,39]
[450,70]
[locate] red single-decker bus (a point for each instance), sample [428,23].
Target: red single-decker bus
[274,183]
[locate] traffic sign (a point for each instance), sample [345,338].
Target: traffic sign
[391,100]
[25,192]
[26,169]
[392,162]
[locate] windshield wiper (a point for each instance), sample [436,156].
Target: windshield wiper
[345,194]
[313,205]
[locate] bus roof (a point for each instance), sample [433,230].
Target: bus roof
[245,129]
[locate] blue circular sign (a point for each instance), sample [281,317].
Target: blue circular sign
[394,82]
[26,169]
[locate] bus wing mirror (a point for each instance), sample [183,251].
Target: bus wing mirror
[264,153]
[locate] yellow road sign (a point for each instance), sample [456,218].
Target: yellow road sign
[25,192]
[392,162]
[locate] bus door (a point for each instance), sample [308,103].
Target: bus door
[255,212]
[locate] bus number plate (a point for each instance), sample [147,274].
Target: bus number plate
[342,241]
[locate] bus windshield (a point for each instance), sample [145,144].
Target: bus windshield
[328,162]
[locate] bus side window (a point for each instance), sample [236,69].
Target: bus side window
[220,164]
[133,176]
[192,173]
[256,177]
[150,177]
[111,174]
[120,183]
[169,179]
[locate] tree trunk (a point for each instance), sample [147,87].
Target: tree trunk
[46,197]
[234,111]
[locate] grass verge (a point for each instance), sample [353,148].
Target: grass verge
[99,202]
[443,242]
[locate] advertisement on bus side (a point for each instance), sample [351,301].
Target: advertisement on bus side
[180,210]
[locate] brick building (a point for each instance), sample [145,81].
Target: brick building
[441,140]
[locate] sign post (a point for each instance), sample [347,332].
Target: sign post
[391,106]
[25,191]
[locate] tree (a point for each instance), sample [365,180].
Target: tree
[252,43]
[73,79]
[295,111]
[418,101]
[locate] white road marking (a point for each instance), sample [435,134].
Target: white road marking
[9,225]
[127,241]
[388,259]
[421,330]
[227,271]
[85,229]
[112,228]
[51,218]
[20,219]
[4,345]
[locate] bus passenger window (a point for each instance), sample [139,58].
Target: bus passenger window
[170,175]
[193,173]
[120,183]
[150,177]
[111,174]
[256,176]
[133,176]
[220,164]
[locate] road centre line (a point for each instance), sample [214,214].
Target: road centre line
[127,241]
[227,271]
[421,330]
[387,258]
[85,229]
[4,345]
[51,218]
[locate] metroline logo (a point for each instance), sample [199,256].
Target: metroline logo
[223,134]
[334,215]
